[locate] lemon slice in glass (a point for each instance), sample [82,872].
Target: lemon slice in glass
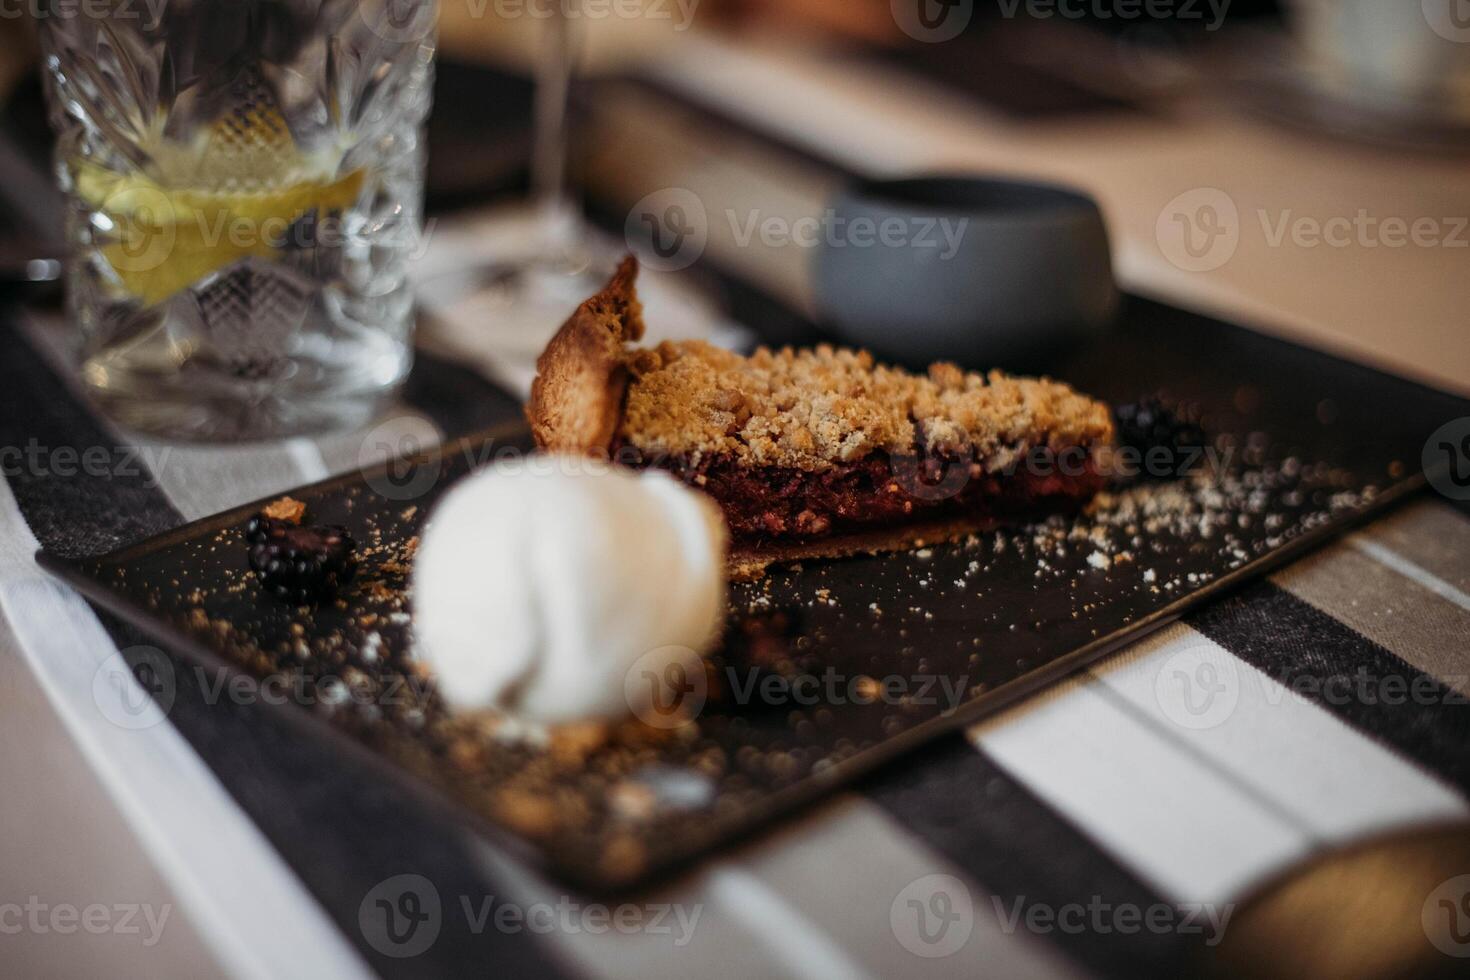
[169,233]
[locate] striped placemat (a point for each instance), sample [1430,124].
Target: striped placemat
[1132,787]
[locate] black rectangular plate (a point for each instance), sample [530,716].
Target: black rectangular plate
[828,669]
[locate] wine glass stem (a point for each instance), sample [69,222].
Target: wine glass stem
[553,77]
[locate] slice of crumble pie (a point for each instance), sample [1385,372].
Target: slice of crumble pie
[816,452]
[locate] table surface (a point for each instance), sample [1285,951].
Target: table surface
[1101,770]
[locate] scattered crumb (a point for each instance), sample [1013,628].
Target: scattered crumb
[632,800]
[623,857]
[287,509]
[572,744]
[528,813]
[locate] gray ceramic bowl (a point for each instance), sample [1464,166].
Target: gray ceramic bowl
[979,271]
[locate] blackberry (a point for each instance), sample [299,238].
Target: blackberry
[258,528]
[1167,440]
[300,564]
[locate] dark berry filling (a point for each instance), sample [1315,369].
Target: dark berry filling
[300,564]
[882,490]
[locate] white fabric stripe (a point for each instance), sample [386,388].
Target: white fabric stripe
[1192,835]
[745,906]
[233,884]
[1140,756]
[203,480]
[855,849]
[308,458]
[61,834]
[400,434]
[809,953]
[643,954]
[1332,780]
[1387,556]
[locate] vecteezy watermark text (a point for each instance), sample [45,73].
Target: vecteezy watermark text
[146,228]
[832,687]
[149,12]
[934,916]
[403,916]
[1445,917]
[1098,916]
[679,12]
[96,918]
[832,230]
[135,688]
[1200,687]
[1201,230]
[667,693]
[936,21]
[1213,12]
[35,459]
[1364,230]
[1446,458]
[670,229]
[411,21]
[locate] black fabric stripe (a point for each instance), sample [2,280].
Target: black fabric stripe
[1342,671]
[711,113]
[46,438]
[340,827]
[967,808]
[985,66]
[457,399]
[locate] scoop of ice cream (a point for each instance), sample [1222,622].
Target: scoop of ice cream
[539,583]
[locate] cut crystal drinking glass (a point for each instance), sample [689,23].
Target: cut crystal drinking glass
[244,180]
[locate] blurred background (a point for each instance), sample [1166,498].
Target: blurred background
[1265,120]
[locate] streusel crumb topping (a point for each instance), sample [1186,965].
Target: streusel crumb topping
[812,409]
